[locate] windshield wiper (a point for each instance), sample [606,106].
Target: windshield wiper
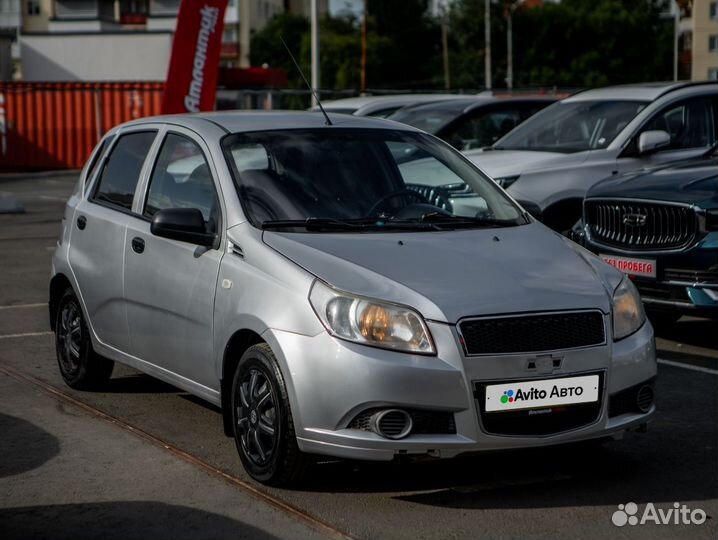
[440,218]
[314,223]
[317,224]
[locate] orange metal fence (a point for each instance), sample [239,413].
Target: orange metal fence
[55,125]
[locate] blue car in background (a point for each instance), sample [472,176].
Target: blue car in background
[660,226]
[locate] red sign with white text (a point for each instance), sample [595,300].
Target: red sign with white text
[191,84]
[632,267]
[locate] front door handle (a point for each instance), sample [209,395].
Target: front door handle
[81,223]
[138,244]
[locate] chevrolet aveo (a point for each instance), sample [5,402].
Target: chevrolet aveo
[355,289]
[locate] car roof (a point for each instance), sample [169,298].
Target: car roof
[630,92]
[359,102]
[468,103]
[246,121]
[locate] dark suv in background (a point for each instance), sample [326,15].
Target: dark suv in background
[660,226]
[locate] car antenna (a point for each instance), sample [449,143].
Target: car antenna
[316,97]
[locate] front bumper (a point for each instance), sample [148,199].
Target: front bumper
[686,280]
[331,381]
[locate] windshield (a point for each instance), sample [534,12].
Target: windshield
[430,118]
[334,178]
[572,126]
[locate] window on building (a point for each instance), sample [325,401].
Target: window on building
[33,7]
[713,43]
[76,9]
[713,74]
[164,7]
[714,10]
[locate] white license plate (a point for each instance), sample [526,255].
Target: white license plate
[512,396]
[632,267]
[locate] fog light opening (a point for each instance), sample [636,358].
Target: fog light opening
[644,398]
[391,423]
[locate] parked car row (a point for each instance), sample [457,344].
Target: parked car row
[583,165]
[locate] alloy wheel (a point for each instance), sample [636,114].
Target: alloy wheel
[69,337]
[256,414]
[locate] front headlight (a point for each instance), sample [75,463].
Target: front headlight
[370,322]
[628,314]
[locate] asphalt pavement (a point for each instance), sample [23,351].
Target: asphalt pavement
[143,459]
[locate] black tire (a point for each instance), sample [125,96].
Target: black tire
[259,402]
[80,366]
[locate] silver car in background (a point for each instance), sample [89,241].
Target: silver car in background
[288,272]
[556,155]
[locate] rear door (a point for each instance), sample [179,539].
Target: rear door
[97,239]
[170,285]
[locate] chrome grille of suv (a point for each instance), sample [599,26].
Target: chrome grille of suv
[640,225]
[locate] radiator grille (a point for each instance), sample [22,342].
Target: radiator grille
[639,225]
[533,333]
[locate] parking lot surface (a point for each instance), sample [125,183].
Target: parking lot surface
[148,457]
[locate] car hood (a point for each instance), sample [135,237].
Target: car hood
[452,274]
[693,182]
[500,163]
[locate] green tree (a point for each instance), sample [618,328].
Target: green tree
[406,51]
[569,43]
[402,47]
[266,45]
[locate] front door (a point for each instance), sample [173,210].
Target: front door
[170,285]
[692,125]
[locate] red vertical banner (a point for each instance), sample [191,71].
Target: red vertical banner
[191,84]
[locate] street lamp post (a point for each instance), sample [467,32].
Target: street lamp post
[315,50]
[487,39]
[509,8]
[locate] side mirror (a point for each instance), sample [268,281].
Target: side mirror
[650,141]
[183,224]
[533,209]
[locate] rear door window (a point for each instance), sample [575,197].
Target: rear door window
[96,159]
[121,172]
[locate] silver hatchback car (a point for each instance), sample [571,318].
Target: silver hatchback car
[313,282]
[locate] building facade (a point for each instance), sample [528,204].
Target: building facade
[121,40]
[698,40]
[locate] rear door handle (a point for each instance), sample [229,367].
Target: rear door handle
[81,223]
[138,244]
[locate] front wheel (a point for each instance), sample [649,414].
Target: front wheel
[262,420]
[80,366]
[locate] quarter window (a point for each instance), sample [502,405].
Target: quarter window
[181,179]
[96,158]
[121,172]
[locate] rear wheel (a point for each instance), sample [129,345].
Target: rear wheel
[262,420]
[81,368]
